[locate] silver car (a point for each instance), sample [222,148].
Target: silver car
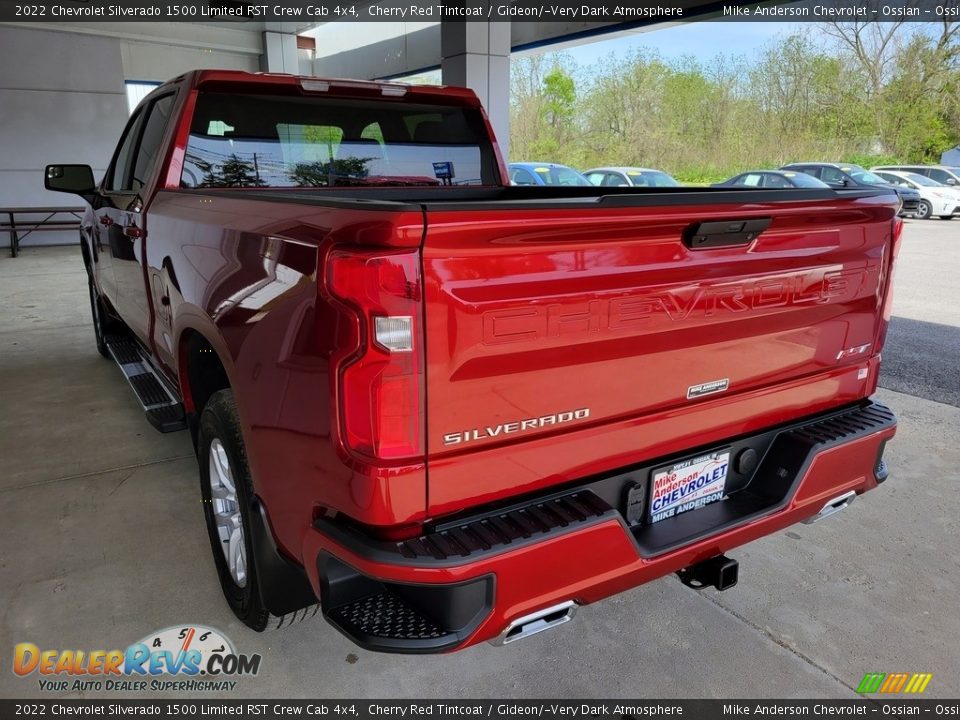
[943,174]
[630,177]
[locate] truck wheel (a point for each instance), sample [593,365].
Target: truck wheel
[102,323]
[924,211]
[228,496]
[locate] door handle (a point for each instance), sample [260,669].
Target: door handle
[724,233]
[132,231]
[106,220]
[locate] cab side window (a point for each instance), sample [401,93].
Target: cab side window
[832,175]
[775,181]
[939,175]
[522,177]
[148,154]
[120,168]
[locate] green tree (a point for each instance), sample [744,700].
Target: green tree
[851,91]
[240,173]
[333,172]
[544,109]
[233,172]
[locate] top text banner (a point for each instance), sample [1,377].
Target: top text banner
[620,11]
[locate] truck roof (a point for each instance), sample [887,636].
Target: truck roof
[308,84]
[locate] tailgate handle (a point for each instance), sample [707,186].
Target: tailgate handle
[724,233]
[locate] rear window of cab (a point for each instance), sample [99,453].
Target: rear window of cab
[275,141]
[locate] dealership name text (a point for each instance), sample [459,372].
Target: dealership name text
[830,12]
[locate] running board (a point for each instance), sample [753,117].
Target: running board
[162,408]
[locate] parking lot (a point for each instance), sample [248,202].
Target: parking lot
[107,543]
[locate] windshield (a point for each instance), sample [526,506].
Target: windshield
[922,180]
[863,176]
[804,181]
[651,178]
[277,141]
[559,175]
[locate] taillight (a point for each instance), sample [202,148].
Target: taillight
[379,374]
[887,307]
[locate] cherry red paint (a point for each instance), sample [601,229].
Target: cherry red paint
[518,314]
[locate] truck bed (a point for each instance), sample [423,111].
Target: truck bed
[574,331]
[485,198]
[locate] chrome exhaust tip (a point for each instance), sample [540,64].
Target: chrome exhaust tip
[841,502]
[537,622]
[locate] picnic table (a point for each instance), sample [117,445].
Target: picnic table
[53,219]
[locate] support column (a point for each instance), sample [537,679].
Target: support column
[279,53]
[477,55]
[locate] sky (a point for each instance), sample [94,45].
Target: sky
[702,40]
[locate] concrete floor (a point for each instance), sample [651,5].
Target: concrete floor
[102,539]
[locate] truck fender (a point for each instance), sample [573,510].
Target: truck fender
[284,586]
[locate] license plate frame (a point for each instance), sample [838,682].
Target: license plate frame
[697,481]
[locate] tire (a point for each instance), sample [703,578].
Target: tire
[228,507]
[924,210]
[102,322]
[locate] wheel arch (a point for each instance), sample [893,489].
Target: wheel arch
[204,368]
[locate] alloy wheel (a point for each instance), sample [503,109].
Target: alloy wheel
[226,513]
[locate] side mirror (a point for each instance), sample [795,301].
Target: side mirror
[951,181]
[76,179]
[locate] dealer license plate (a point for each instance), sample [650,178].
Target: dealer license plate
[688,485]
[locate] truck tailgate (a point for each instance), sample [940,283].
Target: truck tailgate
[553,324]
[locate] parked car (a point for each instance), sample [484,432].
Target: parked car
[944,174]
[630,177]
[533,173]
[935,198]
[453,413]
[773,179]
[841,175]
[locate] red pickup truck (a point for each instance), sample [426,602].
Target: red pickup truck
[440,409]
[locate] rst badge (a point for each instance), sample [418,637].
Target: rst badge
[707,388]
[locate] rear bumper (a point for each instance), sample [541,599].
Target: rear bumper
[468,578]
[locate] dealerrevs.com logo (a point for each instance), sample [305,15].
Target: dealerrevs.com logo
[180,658]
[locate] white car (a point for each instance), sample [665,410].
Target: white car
[935,198]
[630,177]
